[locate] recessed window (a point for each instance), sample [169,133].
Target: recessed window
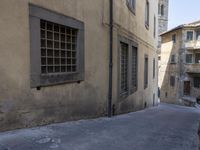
[197,58]
[147,14]
[131,5]
[189,58]
[124,69]
[134,70]
[189,35]
[128,67]
[154,28]
[57,48]
[196,82]
[162,10]
[146,67]
[174,38]
[172,81]
[173,59]
[198,35]
[154,68]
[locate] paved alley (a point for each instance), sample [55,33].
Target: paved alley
[166,127]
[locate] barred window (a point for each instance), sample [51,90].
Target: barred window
[134,70]
[124,68]
[58,48]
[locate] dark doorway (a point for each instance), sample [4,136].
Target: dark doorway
[186,87]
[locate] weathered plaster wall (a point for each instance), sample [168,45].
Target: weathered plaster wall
[22,106]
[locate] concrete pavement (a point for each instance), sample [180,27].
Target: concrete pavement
[166,127]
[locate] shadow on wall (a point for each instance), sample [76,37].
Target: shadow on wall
[168,72]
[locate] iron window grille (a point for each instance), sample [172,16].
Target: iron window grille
[197,58]
[56,48]
[124,69]
[134,70]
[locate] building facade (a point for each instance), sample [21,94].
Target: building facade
[179,73]
[55,59]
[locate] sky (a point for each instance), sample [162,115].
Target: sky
[183,11]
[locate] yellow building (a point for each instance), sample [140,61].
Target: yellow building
[179,69]
[71,59]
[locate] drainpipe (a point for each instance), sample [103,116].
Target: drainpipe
[110,61]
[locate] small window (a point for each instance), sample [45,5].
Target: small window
[154,68]
[162,10]
[197,82]
[147,14]
[159,57]
[189,58]
[154,29]
[172,81]
[131,5]
[56,48]
[197,58]
[189,35]
[174,38]
[146,72]
[198,35]
[173,59]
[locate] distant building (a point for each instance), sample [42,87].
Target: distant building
[163,9]
[55,58]
[179,72]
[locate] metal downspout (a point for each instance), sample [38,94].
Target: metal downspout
[110,61]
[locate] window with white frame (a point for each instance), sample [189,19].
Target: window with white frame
[57,48]
[189,58]
[189,35]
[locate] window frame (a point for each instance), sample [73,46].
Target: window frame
[195,83]
[131,4]
[173,61]
[172,81]
[195,58]
[146,71]
[188,36]
[36,14]
[174,38]
[131,44]
[186,58]
[147,14]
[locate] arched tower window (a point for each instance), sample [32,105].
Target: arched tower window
[162,10]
